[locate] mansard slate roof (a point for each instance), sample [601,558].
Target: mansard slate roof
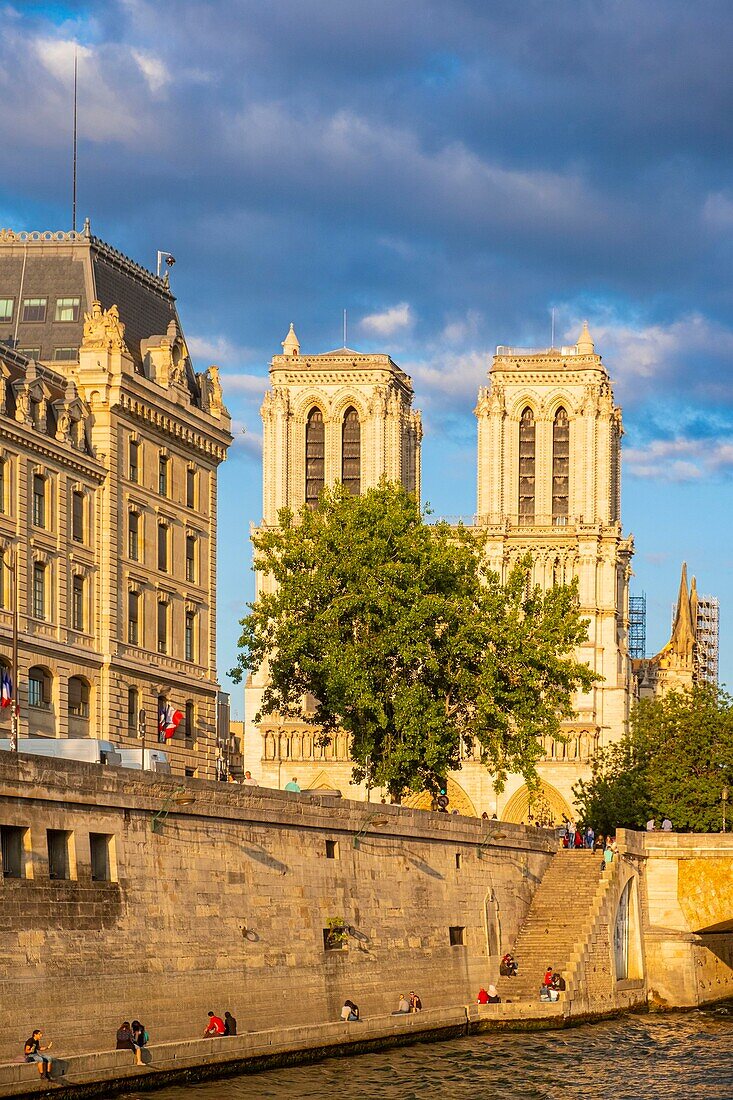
[16,369]
[80,265]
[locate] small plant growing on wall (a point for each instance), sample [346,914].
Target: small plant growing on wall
[335,934]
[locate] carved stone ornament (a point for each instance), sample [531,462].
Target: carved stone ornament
[212,392]
[103,329]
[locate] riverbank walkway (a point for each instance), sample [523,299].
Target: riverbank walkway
[105,1073]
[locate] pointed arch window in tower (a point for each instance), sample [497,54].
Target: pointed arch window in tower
[560,468]
[315,453]
[351,452]
[526,468]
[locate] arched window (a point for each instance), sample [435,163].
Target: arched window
[351,452]
[526,467]
[133,707]
[39,688]
[315,452]
[78,697]
[560,468]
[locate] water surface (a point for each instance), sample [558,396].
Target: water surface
[675,1057]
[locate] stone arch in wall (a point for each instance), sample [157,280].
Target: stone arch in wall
[545,806]
[458,800]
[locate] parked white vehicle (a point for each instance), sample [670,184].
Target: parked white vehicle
[92,751]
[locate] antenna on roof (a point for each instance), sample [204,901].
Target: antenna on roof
[346,327]
[552,329]
[73,183]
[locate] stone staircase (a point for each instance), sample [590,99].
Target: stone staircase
[560,918]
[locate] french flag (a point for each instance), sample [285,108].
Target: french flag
[168,720]
[6,689]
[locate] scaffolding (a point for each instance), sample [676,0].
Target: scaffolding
[637,626]
[706,640]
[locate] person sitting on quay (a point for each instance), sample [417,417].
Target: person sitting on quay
[214,1027]
[403,1007]
[508,966]
[651,825]
[230,1024]
[599,843]
[666,825]
[248,781]
[124,1040]
[494,998]
[33,1052]
[139,1039]
[415,1002]
[293,785]
[558,982]
[350,1012]
[483,997]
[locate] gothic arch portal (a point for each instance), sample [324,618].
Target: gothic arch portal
[458,800]
[545,806]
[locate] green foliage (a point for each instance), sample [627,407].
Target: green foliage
[408,642]
[675,762]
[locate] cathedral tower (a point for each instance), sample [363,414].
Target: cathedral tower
[341,416]
[549,442]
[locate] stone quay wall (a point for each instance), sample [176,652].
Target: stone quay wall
[110,912]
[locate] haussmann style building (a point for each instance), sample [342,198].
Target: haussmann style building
[549,483]
[109,449]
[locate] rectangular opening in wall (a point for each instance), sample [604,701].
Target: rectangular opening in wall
[334,938]
[190,773]
[101,848]
[332,849]
[456,935]
[458,861]
[59,853]
[11,847]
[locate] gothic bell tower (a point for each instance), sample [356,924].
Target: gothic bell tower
[549,459]
[341,416]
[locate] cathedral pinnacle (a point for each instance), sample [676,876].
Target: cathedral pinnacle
[585,343]
[290,344]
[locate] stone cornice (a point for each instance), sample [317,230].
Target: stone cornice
[28,438]
[142,409]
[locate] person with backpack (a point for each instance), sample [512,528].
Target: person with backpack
[138,1040]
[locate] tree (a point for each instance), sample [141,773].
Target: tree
[408,642]
[674,763]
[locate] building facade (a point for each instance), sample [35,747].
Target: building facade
[110,448]
[549,485]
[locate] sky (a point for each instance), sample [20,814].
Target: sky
[448,171]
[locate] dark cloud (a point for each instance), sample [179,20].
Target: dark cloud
[461,165]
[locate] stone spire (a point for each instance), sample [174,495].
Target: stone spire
[290,344]
[585,345]
[683,631]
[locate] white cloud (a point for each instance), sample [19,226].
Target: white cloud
[681,459]
[153,69]
[389,321]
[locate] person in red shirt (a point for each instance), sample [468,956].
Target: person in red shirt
[483,997]
[215,1026]
[547,980]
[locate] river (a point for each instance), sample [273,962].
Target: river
[682,1056]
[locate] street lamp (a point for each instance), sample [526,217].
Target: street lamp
[724,800]
[179,797]
[373,819]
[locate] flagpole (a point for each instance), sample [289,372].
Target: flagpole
[141,734]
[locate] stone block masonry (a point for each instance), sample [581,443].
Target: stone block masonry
[225,904]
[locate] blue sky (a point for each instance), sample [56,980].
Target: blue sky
[447,171]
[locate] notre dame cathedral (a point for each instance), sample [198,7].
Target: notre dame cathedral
[549,482]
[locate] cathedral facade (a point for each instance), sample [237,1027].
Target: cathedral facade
[549,461]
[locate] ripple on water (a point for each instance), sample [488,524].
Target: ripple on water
[677,1057]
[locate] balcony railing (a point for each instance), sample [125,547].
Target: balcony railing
[568,349]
